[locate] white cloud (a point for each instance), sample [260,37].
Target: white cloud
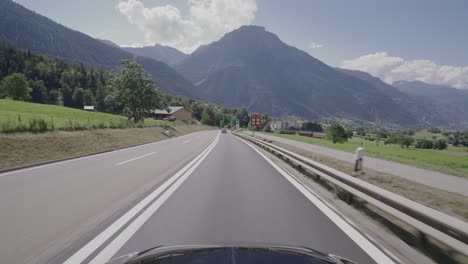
[207,19]
[315,45]
[391,69]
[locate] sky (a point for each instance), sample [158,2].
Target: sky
[394,40]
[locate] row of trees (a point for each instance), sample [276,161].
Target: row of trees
[404,140]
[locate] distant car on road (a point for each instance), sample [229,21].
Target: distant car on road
[171,118]
[224,130]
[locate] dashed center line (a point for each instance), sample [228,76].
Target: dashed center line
[187,141]
[130,160]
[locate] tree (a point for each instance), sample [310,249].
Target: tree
[209,116]
[56,97]
[131,88]
[361,132]
[440,144]
[349,133]
[39,91]
[406,141]
[88,97]
[243,116]
[265,120]
[337,134]
[424,144]
[100,98]
[16,86]
[312,126]
[78,97]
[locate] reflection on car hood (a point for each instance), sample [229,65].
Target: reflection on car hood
[215,254]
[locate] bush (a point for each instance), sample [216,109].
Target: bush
[37,125]
[267,129]
[424,144]
[440,144]
[337,134]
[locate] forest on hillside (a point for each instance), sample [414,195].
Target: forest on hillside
[55,81]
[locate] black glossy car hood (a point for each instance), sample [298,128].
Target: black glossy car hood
[216,254]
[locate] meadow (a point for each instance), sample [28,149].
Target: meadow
[17,116]
[453,161]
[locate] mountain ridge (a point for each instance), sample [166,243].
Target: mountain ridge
[253,67]
[166,54]
[26,29]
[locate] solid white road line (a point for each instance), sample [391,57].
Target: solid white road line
[367,246]
[110,250]
[187,141]
[130,160]
[100,239]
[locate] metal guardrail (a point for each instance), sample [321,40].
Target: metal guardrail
[428,222]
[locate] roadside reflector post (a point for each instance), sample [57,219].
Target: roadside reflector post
[359,156]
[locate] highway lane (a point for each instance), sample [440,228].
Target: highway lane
[427,177]
[236,196]
[52,210]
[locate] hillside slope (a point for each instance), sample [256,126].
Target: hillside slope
[420,108]
[28,30]
[450,103]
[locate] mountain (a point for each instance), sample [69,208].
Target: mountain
[450,103]
[110,43]
[28,30]
[421,109]
[252,67]
[158,52]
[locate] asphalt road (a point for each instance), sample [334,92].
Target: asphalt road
[202,188]
[426,177]
[236,197]
[46,211]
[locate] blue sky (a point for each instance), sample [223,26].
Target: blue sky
[381,37]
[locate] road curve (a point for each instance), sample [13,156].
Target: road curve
[236,196]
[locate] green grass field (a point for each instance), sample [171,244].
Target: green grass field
[61,118]
[452,161]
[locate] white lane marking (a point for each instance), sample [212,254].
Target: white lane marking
[367,246]
[139,157]
[163,141]
[187,141]
[110,250]
[96,242]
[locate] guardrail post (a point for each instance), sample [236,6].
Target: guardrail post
[358,161]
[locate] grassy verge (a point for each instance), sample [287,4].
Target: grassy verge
[453,161]
[17,116]
[447,202]
[21,149]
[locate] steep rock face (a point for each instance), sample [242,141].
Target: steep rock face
[253,67]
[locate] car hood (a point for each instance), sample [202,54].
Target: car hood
[231,254]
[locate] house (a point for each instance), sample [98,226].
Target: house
[284,124]
[179,112]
